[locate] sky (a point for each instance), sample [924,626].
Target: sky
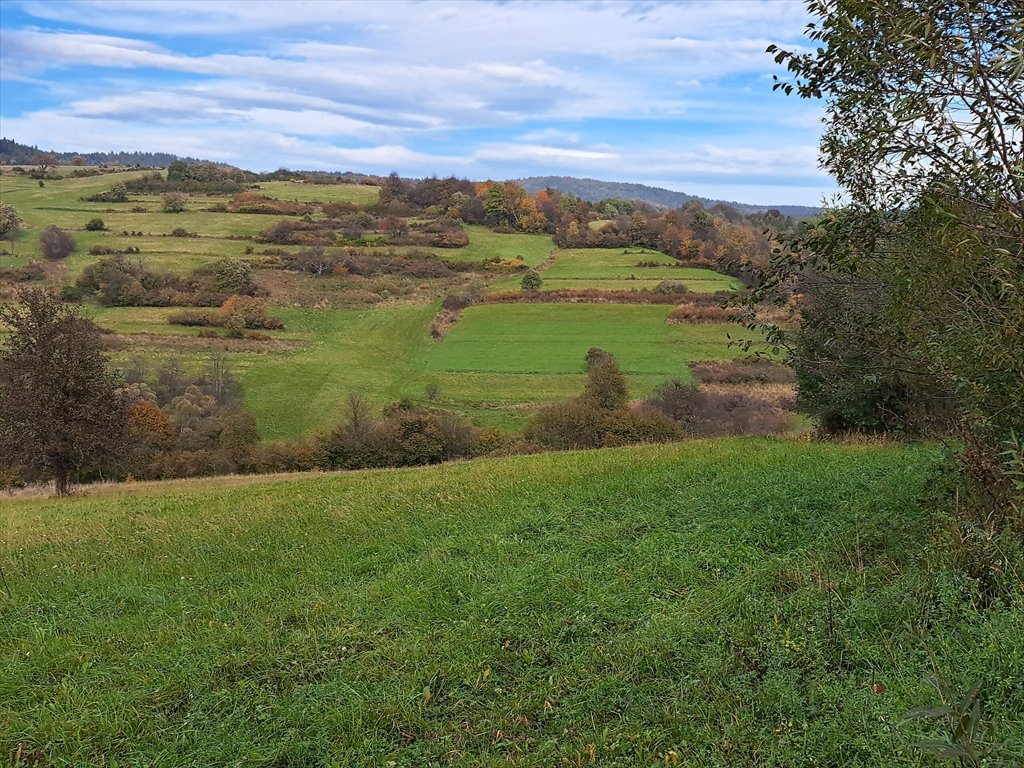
[676,95]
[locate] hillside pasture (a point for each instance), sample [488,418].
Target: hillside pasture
[359,194]
[715,603]
[585,267]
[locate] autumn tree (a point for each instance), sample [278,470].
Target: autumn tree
[59,412]
[44,161]
[924,133]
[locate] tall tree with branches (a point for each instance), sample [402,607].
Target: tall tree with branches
[924,116]
[59,412]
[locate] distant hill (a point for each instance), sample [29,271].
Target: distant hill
[592,190]
[13,153]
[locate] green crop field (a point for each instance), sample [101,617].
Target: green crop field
[554,338]
[713,603]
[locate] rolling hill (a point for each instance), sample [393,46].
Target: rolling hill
[592,190]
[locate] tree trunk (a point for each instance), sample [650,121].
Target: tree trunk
[61,483]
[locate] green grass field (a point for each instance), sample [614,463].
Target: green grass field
[496,364]
[498,358]
[590,267]
[712,603]
[554,338]
[360,194]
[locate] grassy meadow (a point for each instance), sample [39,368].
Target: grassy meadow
[732,602]
[373,335]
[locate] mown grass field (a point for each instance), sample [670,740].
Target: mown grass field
[718,603]
[590,267]
[554,338]
[360,194]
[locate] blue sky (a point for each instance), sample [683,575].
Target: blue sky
[670,94]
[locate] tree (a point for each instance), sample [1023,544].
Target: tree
[925,135]
[56,243]
[531,281]
[59,412]
[606,386]
[10,223]
[95,225]
[175,202]
[118,193]
[44,161]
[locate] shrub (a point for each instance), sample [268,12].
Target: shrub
[531,281]
[240,312]
[406,436]
[675,400]
[194,318]
[95,225]
[565,426]
[754,370]
[56,243]
[462,299]
[701,412]
[506,265]
[639,425]
[670,288]
[174,202]
[24,274]
[598,356]
[606,386]
[233,276]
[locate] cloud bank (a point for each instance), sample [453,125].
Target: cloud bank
[674,93]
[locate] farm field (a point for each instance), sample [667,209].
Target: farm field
[554,338]
[718,601]
[619,264]
[373,335]
[359,194]
[498,358]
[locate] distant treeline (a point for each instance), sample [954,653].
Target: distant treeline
[594,190]
[13,153]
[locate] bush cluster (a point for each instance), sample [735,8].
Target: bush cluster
[403,436]
[754,370]
[601,416]
[121,282]
[705,413]
[56,244]
[236,313]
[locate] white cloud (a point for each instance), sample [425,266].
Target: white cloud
[422,87]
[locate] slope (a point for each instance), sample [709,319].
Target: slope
[731,602]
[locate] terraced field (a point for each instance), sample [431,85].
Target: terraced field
[495,364]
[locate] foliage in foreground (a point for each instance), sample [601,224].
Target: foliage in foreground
[722,603]
[917,284]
